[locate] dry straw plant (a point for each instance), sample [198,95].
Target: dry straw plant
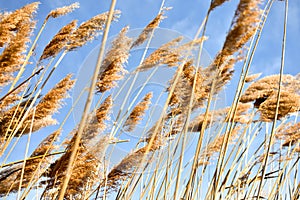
[195,148]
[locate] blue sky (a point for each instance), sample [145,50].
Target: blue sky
[185,18]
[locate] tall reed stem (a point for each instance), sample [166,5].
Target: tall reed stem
[88,104]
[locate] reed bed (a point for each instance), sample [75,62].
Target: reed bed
[195,148]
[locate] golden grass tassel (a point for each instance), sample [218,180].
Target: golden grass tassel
[137,113]
[112,68]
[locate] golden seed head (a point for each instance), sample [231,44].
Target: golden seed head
[112,68]
[137,113]
[63,10]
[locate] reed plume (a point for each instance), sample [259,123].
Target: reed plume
[90,29]
[149,28]
[137,113]
[252,77]
[11,99]
[216,3]
[97,121]
[164,55]
[13,55]
[289,134]
[260,90]
[215,146]
[242,29]
[59,41]
[180,98]
[11,23]
[51,102]
[112,68]
[241,116]
[89,157]
[10,177]
[126,168]
[63,10]
[288,103]
[42,113]
[87,170]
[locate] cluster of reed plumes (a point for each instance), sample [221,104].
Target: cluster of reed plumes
[193,150]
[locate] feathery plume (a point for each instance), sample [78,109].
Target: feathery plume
[125,169]
[59,41]
[112,68]
[137,113]
[48,105]
[96,121]
[149,28]
[11,99]
[13,55]
[88,170]
[10,178]
[85,173]
[288,103]
[252,77]
[51,102]
[216,145]
[243,27]
[180,98]
[241,116]
[89,157]
[290,134]
[260,90]
[216,3]
[170,54]
[164,55]
[63,10]
[11,23]
[90,29]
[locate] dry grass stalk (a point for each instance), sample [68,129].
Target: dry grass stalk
[137,113]
[88,30]
[149,28]
[10,177]
[59,41]
[112,68]
[44,110]
[63,10]
[11,23]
